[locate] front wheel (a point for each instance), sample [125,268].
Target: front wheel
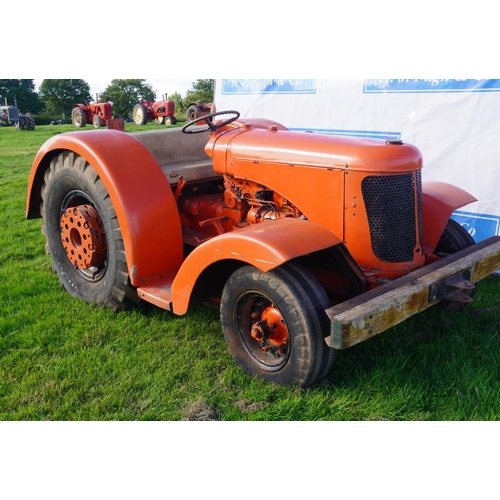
[170,120]
[83,235]
[453,239]
[274,326]
[97,121]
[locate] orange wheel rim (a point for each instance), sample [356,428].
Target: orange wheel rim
[83,236]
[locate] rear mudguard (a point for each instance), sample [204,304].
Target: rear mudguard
[439,201]
[265,246]
[142,198]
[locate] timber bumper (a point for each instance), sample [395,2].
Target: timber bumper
[375,311]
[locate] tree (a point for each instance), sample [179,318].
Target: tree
[125,94]
[203,90]
[60,95]
[180,105]
[21,93]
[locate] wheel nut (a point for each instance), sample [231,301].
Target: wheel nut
[256,333]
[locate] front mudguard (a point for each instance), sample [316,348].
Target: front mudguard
[264,246]
[439,201]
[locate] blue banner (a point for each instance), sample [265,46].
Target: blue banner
[365,134]
[394,86]
[479,226]
[268,86]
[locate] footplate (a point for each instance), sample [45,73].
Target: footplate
[373,312]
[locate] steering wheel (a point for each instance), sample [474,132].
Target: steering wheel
[208,120]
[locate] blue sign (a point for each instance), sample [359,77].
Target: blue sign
[394,86]
[268,86]
[479,226]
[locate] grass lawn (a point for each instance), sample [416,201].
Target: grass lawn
[61,359]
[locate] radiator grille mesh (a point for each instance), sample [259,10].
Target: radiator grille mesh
[390,207]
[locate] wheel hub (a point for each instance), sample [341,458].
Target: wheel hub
[270,331]
[83,236]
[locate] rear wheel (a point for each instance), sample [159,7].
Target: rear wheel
[31,121]
[78,118]
[273,326]
[192,112]
[83,236]
[453,239]
[140,114]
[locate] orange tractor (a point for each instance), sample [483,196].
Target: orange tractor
[307,243]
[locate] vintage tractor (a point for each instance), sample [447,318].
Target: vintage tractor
[10,115]
[307,243]
[162,112]
[97,113]
[199,109]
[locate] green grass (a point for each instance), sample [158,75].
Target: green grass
[61,359]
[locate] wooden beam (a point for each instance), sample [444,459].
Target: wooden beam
[373,312]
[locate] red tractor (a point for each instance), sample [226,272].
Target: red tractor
[97,113]
[306,243]
[162,112]
[198,109]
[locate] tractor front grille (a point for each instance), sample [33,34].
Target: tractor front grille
[390,203]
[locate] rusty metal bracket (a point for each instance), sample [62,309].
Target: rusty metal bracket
[452,288]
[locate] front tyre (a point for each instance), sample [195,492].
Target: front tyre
[97,121]
[83,236]
[453,239]
[272,327]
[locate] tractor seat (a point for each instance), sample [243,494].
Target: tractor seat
[179,154]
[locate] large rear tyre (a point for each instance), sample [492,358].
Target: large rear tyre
[83,235]
[78,118]
[192,112]
[272,326]
[31,121]
[453,239]
[140,114]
